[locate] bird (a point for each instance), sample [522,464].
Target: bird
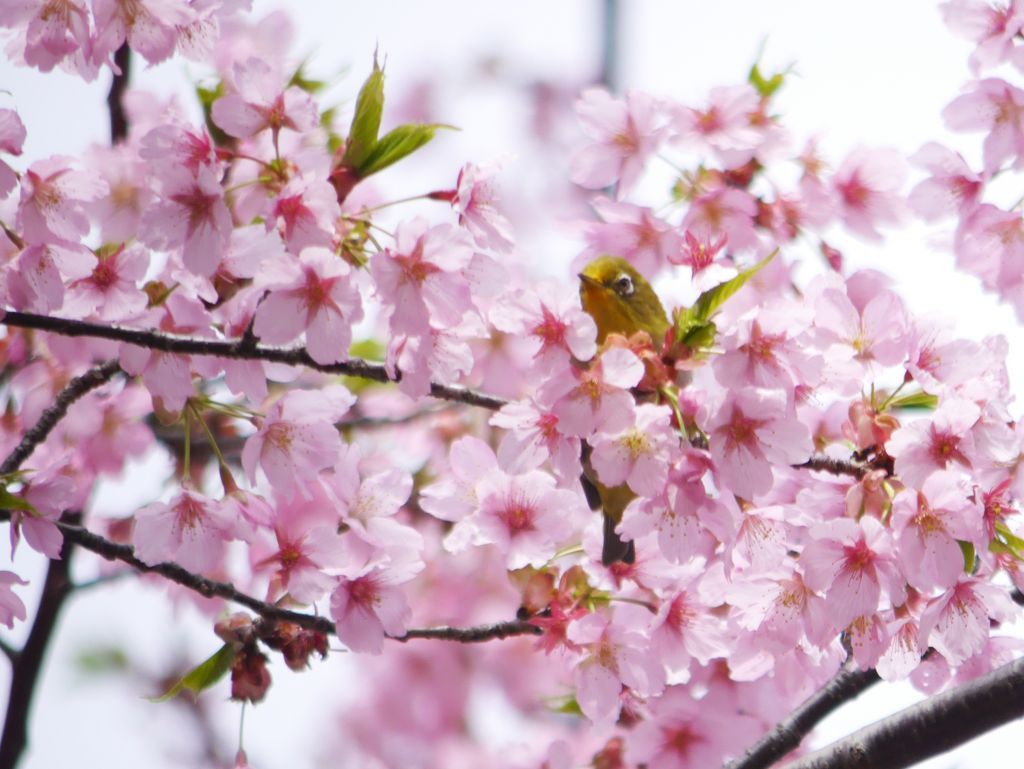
[621,301]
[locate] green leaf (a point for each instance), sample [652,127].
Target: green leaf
[967,548]
[693,325]
[709,302]
[362,135]
[395,145]
[207,96]
[308,85]
[918,400]
[766,87]
[9,501]
[104,659]
[567,705]
[1010,539]
[203,676]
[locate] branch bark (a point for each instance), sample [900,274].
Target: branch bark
[845,685]
[240,349]
[929,728]
[74,390]
[27,664]
[115,97]
[211,588]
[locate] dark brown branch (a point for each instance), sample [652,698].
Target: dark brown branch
[295,356]
[474,634]
[29,660]
[211,588]
[74,390]
[787,735]
[115,97]
[834,466]
[929,728]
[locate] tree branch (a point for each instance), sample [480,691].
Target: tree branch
[845,685]
[74,390]
[115,97]
[834,466]
[211,588]
[27,665]
[183,345]
[929,728]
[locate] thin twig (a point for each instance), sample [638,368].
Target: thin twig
[74,390]
[183,345]
[787,735]
[929,728]
[498,630]
[211,588]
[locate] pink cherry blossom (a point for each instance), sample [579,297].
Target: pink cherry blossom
[52,201]
[190,529]
[190,214]
[49,493]
[777,607]
[876,335]
[168,376]
[957,622]
[854,564]
[635,233]
[297,438]
[924,446]
[421,276]
[306,544]
[317,298]
[769,350]
[259,102]
[150,27]
[751,430]
[12,137]
[723,211]
[35,280]
[439,355]
[616,657]
[867,185]
[366,607]
[699,255]
[641,454]
[108,427]
[995,106]
[952,189]
[988,243]
[175,145]
[48,31]
[993,27]
[685,628]
[596,398]
[550,317]
[724,126]
[928,524]
[475,202]
[684,732]
[454,497]
[111,291]
[624,134]
[525,516]
[904,651]
[688,522]
[11,606]
[305,211]
[939,362]
[533,438]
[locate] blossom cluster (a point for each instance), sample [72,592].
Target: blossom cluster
[812,472]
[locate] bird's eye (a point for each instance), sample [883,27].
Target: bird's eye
[624,285]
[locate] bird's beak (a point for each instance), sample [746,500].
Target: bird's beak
[588,281]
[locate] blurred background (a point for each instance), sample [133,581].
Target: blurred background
[876,73]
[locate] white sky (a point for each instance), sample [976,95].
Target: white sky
[872,72]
